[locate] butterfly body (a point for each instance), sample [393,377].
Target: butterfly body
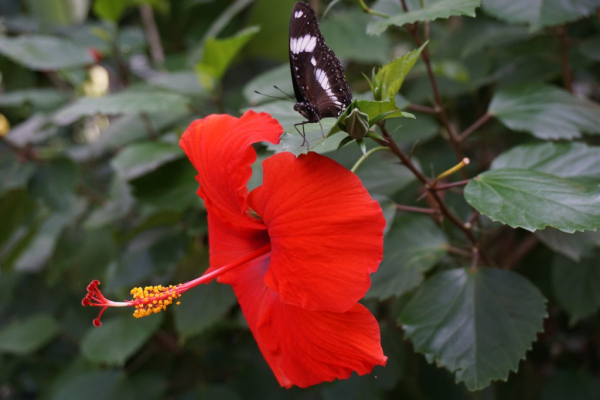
[318,78]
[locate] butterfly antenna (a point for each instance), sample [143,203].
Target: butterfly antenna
[273,97]
[288,95]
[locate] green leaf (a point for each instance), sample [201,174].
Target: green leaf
[350,43]
[477,324]
[46,99]
[432,11]
[96,385]
[126,102]
[33,130]
[44,52]
[218,54]
[23,337]
[577,286]
[278,76]
[382,174]
[591,48]
[545,111]
[118,338]
[571,385]
[183,82]
[140,158]
[55,183]
[120,201]
[567,160]
[202,307]
[13,208]
[408,131]
[15,173]
[534,200]
[388,206]
[540,13]
[111,10]
[413,246]
[573,245]
[389,78]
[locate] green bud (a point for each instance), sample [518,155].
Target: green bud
[357,124]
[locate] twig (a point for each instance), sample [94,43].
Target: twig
[458,251]
[475,258]
[419,210]
[423,109]
[368,10]
[446,186]
[22,152]
[152,35]
[476,125]
[521,251]
[564,58]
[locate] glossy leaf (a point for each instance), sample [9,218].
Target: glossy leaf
[127,102]
[218,54]
[432,11]
[534,200]
[540,13]
[44,52]
[478,324]
[25,336]
[577,286]
[545,111]
[140,158]
[413,246]
[118,338]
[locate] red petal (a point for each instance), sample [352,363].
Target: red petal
[220,147]
[326,232]
[303,347]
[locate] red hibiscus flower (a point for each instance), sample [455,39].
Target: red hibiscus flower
[297,250]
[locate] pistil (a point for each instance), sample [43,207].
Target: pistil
[154,299]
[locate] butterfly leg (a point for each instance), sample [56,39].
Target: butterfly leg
[303,134]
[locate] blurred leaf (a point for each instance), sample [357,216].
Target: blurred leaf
[15,173]
[184,82]
[571,385]
[52,13]
[432,11]
[34,130]
[126,102]
[218,54]
[492,36]
[389,78]
[451,69]
[97,385]
[46,99]
[577,286]
[341,33]
[41,245]
[120,201]
[25,336]
[118,338]
[546,112]
[540,13]
[140,158]
[591,48]
[44,52]
[477,324]
[567,160]
[414,245]
[212,300]
[13,206]
[55,183]
[382,174]
[279,76]
[573,245]
[409,131]
[111,10]
[388,207]
[534,200]
[273,17]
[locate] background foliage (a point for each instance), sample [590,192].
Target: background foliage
[94,96]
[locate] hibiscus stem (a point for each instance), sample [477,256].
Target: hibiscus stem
[366,155]
[154,299]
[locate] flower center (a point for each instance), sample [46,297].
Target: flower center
[154,299]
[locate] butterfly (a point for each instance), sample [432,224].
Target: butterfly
[317,75]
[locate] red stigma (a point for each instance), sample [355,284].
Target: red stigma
[94,297]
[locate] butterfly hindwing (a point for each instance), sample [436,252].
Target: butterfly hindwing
[318,78]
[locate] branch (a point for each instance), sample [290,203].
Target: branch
[419,210]
[446,186]
[476,125]
[156,50]
[423,109]
[366,9]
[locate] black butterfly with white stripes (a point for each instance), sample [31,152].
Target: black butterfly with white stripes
[319,84]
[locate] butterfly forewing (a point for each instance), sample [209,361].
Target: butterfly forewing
[317,75]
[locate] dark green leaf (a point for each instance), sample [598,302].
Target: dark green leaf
[201,307]
[577,286]
[97,385]
[25,336]
[382,174]
[44,52]
[120,202]
[540,13]
[55,183]
[408,131]
[127,102]
[140,158]
[15,173]
[546,112]
[218,54]
[32,131]
[184,82]
[573,245]
[118,338]
[46,99]
[432,11]
[567,160]
[13,206]
[412,247]
[388,206]
[534,200]
[478,324]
